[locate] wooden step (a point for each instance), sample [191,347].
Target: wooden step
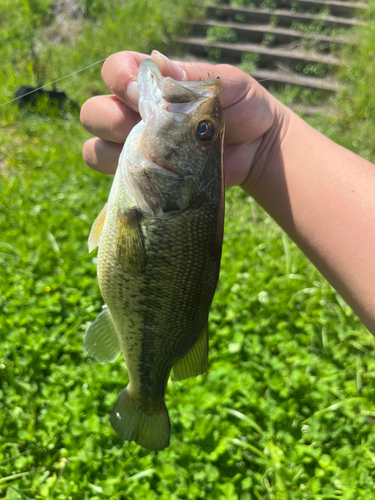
[233,52]
[282,16]
[278,78]
[282,78]
[340,8]
[256,33]
[335,8]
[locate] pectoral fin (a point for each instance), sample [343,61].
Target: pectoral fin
[97,229]
[101,340]
[195,361]
[130,244]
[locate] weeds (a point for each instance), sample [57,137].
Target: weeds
[240,18]
[268,4]
[214,54]
[249,62]
[318,70]
[290,95]
[243,3]
[268,39]
[221,34]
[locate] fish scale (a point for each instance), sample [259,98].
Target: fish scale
[159,239]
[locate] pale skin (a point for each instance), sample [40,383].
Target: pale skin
[321,194]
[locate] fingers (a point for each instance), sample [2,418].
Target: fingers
[240,92]
[101,156]
[248,108]
[235,83]
[119,73]
[168,67]
[108,118]
[121,70]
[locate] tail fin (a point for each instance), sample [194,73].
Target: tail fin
[131,424]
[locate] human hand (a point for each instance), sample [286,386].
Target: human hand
[255,122]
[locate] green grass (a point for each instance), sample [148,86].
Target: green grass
[37,50]
[249,62]
[286,409]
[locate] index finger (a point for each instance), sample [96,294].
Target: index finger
[119,71]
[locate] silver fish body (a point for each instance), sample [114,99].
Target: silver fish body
[160,238]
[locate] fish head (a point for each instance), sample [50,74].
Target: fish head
[174,155]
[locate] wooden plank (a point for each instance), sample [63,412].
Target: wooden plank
[272,78]
[339,8]
[235,51]
[277,78]
[256,33]
[284,17]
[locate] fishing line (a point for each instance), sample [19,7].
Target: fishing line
[243,81]
[98,62]
[54,81]
[247,83]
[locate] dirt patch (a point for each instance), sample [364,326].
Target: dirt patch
[67,19]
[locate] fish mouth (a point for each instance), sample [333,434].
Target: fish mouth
[161,164]
[154,88]
[164,172]
[150,82]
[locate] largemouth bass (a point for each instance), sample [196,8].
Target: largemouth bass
[160,238]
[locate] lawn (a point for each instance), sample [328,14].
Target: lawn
[286,409]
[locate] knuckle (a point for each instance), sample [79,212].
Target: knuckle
[116,126]
[86,111]
[87,153]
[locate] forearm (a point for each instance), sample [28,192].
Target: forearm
[323,196]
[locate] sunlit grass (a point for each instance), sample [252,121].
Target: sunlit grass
[286,409]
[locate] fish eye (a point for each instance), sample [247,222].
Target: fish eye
[205,130]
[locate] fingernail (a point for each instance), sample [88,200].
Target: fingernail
[132,92]
[174,71]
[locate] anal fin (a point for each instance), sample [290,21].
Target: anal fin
[195,361]
[100,340]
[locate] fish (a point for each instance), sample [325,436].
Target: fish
[160,237]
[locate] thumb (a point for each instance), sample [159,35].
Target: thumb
[248,108]
[235,83]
